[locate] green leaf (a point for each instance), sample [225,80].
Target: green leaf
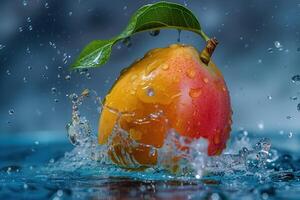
[161,15]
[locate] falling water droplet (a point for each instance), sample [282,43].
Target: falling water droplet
[53,90]
[277,44]
[296,79]
[154,33]
[293,98]
[179,35]
[270,50]
[11,111]
[261,125]
[2,46]
[68,77]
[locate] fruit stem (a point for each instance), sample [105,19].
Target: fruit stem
[207,52]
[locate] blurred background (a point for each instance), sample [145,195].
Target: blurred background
[259,55]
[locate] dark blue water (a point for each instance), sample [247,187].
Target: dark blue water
[41,169]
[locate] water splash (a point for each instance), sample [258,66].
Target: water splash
[191,157]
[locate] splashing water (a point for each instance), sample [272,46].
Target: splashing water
[193,162]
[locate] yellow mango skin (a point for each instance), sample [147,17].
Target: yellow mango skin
[179,91]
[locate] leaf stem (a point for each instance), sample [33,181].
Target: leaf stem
[203,35]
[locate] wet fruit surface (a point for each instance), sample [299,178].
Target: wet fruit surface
[170,88]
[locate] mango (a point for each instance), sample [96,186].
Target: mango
[170,88]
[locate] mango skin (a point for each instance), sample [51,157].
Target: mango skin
[170,88]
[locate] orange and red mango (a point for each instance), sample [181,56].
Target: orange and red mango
[170,88]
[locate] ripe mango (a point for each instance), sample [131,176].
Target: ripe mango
[169,88]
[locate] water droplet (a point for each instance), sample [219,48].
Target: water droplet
[20,29]
[88,76]
[8,72]
[133,77]
[261,125]
[191,73]
[270,50]
[294,98]
[59,193]
[179,35]
[25,186]
[2,46]
[290,134]
[154,33]
[24,79]
[259,61]
[125,8]
[296,79]
[28,19]
[195,92]
[56,100]
[11,111]
[68,77]
[205,80]
[298,107]
[127,42]
[150,92]
[288,117]
[269,97]
[36,142]
[29,68]
[70,13]
[165,67]
[53,90]
[59,68]
[25,3]
[46,5]
[298,49]
[30,28]
[185,3]
[277,44]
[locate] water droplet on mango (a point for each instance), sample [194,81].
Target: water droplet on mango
[195,92]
